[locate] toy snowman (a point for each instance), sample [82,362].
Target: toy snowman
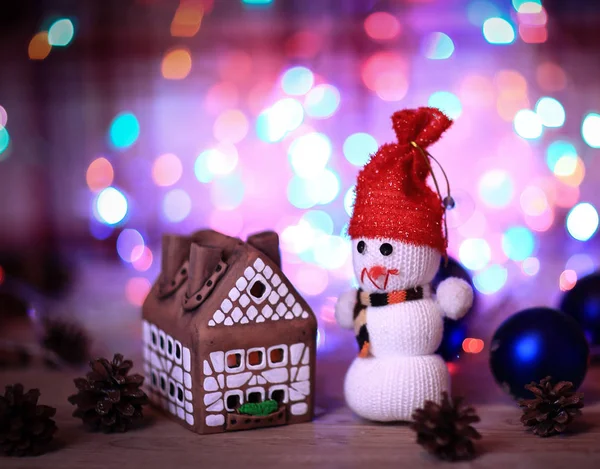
[398,240]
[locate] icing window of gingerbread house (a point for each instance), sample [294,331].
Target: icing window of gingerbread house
[256,358]
[233,400]
[254,397]
[234,361]
[258,289]
[278,395]
[276,355]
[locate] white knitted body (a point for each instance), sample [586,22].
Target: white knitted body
[391,388]
[402,371]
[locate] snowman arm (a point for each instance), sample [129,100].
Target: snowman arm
[344,309]
[455,297]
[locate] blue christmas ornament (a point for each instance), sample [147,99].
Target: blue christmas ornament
[583,304]
[455,332]
[536,343]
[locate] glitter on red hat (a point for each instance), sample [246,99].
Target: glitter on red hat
[393,199]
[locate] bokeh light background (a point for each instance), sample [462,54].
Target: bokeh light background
[137,118]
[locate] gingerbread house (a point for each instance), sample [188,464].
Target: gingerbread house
[222,327]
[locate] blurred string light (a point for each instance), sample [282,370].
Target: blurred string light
[446,102]
[481,10]
[310,279]
[567,280]
[176,64]
[385,73]
[533,201]
[142,258]
[551,77]
[437,46]
[318,189]
[570,172]
[258,2]
[582,221]
[559,150]
[490,280]
[187,19]
[297,81]
[496,188]
[319,220]
[136,290]
[99,175]
[349,199]
[528,124]
[474,346]
[518,243]
[498,31]
[582,264]
[231,126]
[519,4]
[532,22]
[474,253]
[222,160]
[359,147]
[590,130]
[176,205]
[322,101]
[201,169]
[477,90]
[4,141]
[551,112]
[124,130]
[531,266]
[130,245]
[382,26]
[61,33]
[110,206]
[39,47]
[309,154]
[274,123]
[540,223]
[332,252]
[3,117]
[166,170]
[227,193]
[223,95]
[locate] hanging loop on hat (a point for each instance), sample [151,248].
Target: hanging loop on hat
[448,201]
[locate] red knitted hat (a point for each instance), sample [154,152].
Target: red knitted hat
[393,199]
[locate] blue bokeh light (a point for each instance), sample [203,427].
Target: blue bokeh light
[437,46]
[447,102]
[582,221]
[558,149]
[518,243]
[498,31]
[490,280]
[124,130]
[297,81]
[359,147]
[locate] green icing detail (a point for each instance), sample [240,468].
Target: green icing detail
[259,408]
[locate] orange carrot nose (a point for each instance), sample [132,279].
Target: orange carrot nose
[377,271]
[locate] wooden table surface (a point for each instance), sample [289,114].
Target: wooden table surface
[336,438]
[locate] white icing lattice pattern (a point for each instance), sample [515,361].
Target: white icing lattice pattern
[167,366]
[262,295]
[280,372]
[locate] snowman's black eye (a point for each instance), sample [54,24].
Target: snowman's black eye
[361,246]
[386,249]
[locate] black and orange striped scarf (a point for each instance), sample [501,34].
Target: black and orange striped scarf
[365,299]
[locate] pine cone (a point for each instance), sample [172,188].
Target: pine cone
[108,398]
[67,340]
[25,427]
[553,408]
[445,430]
